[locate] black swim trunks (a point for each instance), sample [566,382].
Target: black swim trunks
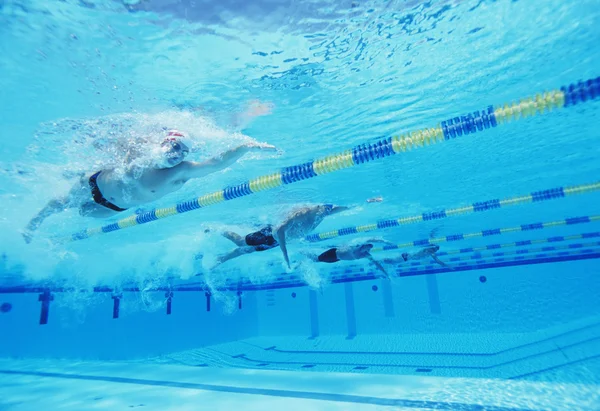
[262,240]
[329,256]
[98,197]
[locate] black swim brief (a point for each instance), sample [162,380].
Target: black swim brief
[98,197]
[329,256]
[262,240]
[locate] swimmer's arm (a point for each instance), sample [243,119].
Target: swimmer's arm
[338,209]
[279,235]
[440,262]
[193,169]
[379,240]
[317,209]
[378,265]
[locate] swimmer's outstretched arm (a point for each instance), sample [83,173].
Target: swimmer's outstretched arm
[396,260]
[338,209]
[379,240]
[192,169]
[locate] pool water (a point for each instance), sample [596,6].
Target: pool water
[469,125]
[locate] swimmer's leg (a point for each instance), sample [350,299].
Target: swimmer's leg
[73,199]
[234,237]
[54,206]
[310,256]
[233,254]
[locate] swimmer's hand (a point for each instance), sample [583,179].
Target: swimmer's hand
[261,146]
[375,200]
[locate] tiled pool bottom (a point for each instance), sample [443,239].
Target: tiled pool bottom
[552,369]
[566,353]
[557,368]
[67,385]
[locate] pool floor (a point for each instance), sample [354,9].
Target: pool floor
[565,353]
[68,385]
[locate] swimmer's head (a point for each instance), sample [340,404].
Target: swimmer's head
[173,149]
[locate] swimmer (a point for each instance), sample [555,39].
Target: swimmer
[348,253]
[105,193]
[302,222]
[425,252]
[296,225]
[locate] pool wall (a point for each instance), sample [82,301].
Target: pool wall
[91,332]
[496,302]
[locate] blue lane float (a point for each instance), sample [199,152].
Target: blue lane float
[470,123]
[476,207]
[498,231]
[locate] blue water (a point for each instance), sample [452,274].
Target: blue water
[83,79]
